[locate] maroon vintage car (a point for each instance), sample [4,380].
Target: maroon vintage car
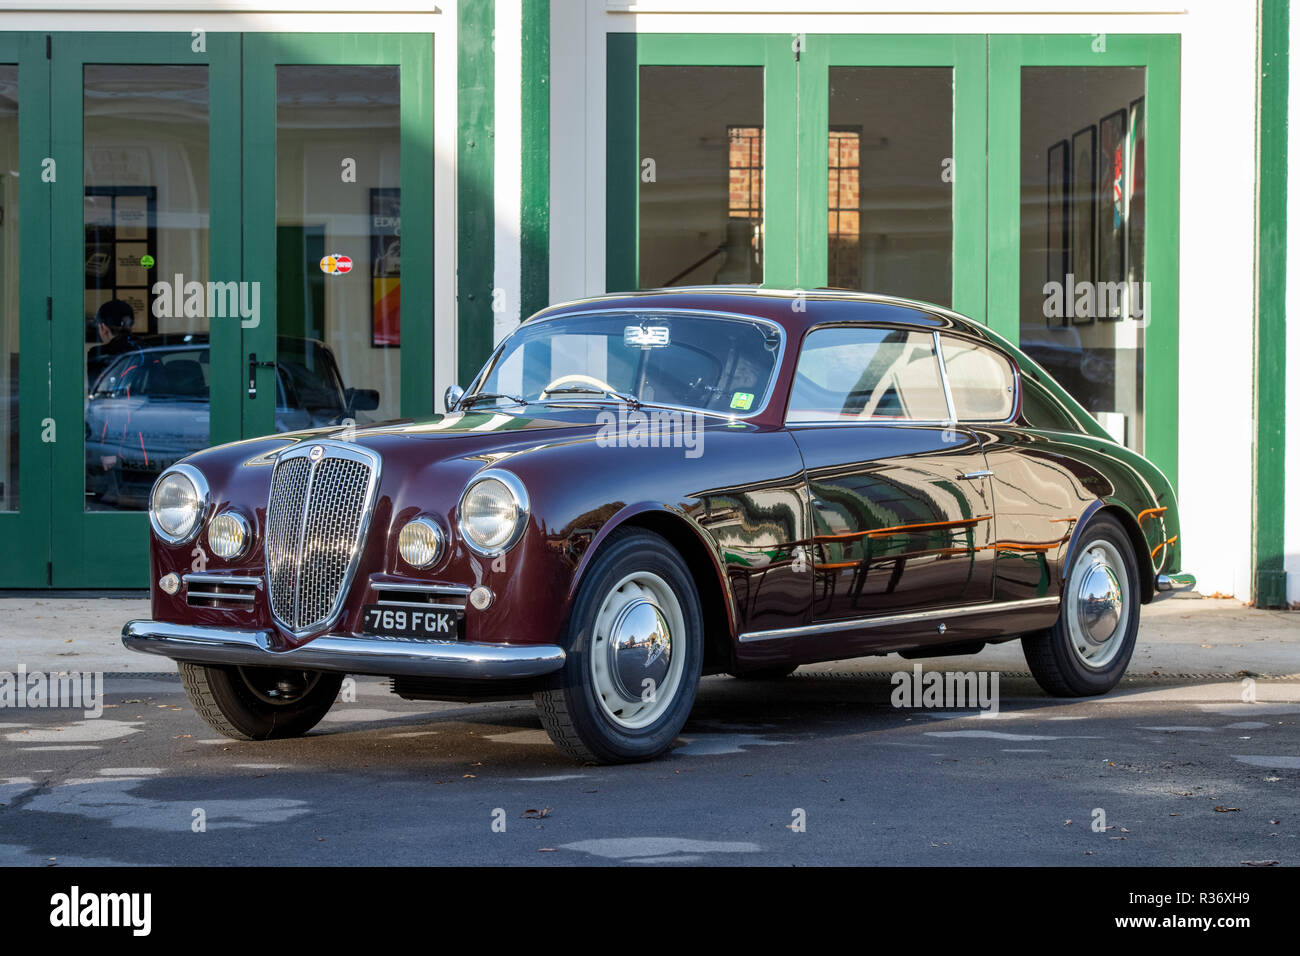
[640,489]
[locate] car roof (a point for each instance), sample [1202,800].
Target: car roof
[794,310]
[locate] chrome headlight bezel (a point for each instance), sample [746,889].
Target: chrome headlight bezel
[245,531]
[439,542]
[518,494]
[202,492]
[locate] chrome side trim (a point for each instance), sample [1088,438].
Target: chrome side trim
[351,655]
[460,589]
[890,620]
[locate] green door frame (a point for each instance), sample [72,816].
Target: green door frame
[965,55]
[1160,56]
[413,54]
[796,109]
[626,53]
[110,549]
[25,561]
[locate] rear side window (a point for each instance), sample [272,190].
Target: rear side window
[862,374]
[982,380]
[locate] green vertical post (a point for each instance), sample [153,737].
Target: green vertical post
[1270,313]
[475,209]
[535,192]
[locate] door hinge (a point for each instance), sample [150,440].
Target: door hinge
[49,574]
[48,44]
[49,308]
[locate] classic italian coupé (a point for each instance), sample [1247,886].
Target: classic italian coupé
[640,489]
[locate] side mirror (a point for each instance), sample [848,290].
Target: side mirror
[361,399]
[451,398]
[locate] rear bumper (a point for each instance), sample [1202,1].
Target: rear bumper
[1167,584]
[351,655]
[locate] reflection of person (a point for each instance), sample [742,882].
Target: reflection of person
[113,322]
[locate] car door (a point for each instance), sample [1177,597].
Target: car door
[900,497]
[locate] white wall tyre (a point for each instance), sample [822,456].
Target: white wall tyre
[634,652]
[1088,650]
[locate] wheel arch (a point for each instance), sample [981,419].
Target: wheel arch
[1128,521]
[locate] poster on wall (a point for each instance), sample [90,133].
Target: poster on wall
[1083,173]
[1137,199]
[121,231]
[1111,218]
[1058,214]
[386,267]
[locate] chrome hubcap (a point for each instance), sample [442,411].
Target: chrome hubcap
[636,667]
[1097,610]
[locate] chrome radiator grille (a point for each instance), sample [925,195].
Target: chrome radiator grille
[316,519]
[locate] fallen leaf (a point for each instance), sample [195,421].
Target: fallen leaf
[1259,862]
[537,814]
[1227,809]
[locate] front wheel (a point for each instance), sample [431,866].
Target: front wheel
[259,703]
[1088,649]
[634,655]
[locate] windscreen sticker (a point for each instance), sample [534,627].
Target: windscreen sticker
[742,400]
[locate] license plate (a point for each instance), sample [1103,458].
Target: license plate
[381,621]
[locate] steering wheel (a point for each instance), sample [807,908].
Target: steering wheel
[583,380]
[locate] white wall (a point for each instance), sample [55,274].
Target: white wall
[1217,204]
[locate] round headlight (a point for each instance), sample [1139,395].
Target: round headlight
[420,543]
[493,512]
[228,535]
[177,504]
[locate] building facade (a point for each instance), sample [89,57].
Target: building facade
[223,219]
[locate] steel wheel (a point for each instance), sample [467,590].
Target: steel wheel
[277,686]
[636,667]
[1098,605]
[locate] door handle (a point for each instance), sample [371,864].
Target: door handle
[253,366]
[976,474]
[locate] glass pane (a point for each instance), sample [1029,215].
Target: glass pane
[701,189]
[847,374]
[1082,236]
[338,214]
[981,380]
[146,273]
[889,181]
[9,264]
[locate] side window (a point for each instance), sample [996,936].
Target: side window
[982,380]
[1040,410]
[861,374]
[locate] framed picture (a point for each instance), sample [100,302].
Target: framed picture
[1112,210]
[386,267]
[1058,213]
[1137,195]
[120,230]
[1083,219]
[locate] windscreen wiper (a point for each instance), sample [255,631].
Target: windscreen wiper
[484,396]
[631,401]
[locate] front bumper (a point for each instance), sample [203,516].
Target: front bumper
[351,655]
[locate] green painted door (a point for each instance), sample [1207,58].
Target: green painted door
[338,197]
[30,431]
[1083,167]
[144,224]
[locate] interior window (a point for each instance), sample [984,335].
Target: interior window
[857,374]
[982,380]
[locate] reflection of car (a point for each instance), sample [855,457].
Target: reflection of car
[640,489]
[1086,373]
[149,408]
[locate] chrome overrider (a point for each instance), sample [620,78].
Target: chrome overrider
[351,655]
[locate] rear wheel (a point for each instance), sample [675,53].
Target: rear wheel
[634,653]
[259,703]
[1088,649]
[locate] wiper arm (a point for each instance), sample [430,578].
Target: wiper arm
[483,396]
[631,401]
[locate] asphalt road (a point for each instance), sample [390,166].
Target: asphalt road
[1185,773]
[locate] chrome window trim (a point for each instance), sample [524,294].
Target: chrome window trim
[333,449]
[520,495]
[687,313]
[889,620]
[205,506]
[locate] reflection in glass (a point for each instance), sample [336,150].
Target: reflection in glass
[9,264]
[701,178]
[889,181]
[338,208]
[146,267]
[1083,293]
